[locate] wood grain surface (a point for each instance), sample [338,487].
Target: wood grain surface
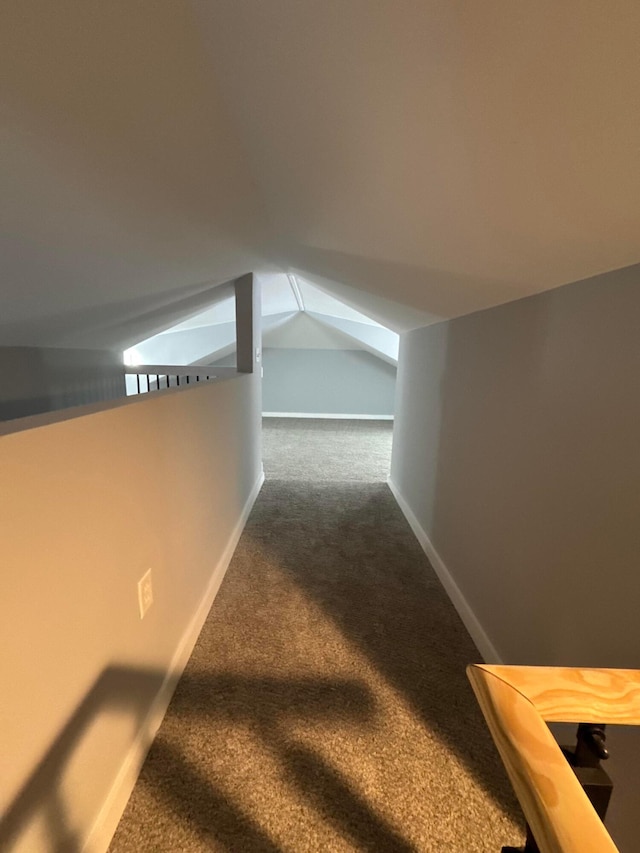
[517,703]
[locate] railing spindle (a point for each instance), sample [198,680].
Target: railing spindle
[155,374]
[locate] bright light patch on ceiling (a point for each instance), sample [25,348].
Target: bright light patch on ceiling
[132,357]
[278,295]
[319,302]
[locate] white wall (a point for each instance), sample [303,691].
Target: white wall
[42,379]
[327,381]
[88,504]
[516,452]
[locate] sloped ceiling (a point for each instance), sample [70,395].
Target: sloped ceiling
[304,332]
[295,315]
[124,186]
[421,159]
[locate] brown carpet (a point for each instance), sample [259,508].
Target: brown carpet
[325,707]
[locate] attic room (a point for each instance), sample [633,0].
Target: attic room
[319,355]
[446,194]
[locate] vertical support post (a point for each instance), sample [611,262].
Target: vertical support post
[585,758]
[248,322]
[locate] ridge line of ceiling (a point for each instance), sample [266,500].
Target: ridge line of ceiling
[296,291]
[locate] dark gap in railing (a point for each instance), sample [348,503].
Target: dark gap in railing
[584,758]
[151,380]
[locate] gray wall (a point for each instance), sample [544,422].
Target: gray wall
[327,382]
[89,503]
[517,448]
[34,379]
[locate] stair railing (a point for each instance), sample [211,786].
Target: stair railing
[517,703]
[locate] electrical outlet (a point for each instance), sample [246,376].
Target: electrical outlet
[145,593]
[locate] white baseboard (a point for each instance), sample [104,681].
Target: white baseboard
[470,620]
[324,415]
[107,821]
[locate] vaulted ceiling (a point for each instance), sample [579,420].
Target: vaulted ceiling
[419,159]
[295,315]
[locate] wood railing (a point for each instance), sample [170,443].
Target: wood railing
[518,702]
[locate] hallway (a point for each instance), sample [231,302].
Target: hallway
[325,706]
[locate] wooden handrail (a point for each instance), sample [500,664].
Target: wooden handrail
[517,703]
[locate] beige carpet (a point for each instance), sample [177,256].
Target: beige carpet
[329,449]
[325,707]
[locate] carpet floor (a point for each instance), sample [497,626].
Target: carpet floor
[326,450]
[325,706]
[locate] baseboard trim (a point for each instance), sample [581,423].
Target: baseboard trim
[341,417]
[107,821]
[469,619]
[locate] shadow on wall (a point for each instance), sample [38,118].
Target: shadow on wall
[123,688]
[268,705]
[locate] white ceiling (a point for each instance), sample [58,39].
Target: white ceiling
[304,332]
[418,158]
[320,302]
